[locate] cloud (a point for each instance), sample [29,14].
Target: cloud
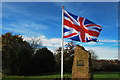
[101,42]
[105,52]
[25,28]
[53,42]
[11,10]
[109,40]
[93,43]
[28,25]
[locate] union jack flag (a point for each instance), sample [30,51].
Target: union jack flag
[79,28]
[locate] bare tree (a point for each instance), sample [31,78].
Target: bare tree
[36,43]
[93,55]
[95,63]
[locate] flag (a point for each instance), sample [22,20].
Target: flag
[79,28]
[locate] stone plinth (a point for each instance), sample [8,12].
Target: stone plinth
[82,68]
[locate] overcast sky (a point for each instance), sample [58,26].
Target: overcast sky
[43,20]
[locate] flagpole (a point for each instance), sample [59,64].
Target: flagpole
[62,44]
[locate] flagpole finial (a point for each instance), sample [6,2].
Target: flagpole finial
[62,7]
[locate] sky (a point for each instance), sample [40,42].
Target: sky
[42,20]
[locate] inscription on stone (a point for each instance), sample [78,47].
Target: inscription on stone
[80,63]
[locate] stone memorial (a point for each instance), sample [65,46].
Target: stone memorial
[82,67]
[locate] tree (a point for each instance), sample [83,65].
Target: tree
[95,64]
[67,57]
[16,55]
[43,61]
[20,58]
[93,55]
[36,43]
[57,55]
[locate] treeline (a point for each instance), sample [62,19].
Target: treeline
[20,57]
[107,65]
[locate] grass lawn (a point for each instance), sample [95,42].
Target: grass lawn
[106,74]
[97,76]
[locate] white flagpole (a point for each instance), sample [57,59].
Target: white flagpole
[62,44]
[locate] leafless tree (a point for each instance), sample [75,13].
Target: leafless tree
[36,43]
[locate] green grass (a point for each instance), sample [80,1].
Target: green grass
[46,76]
[101,74]
[97,76]
[106,74]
